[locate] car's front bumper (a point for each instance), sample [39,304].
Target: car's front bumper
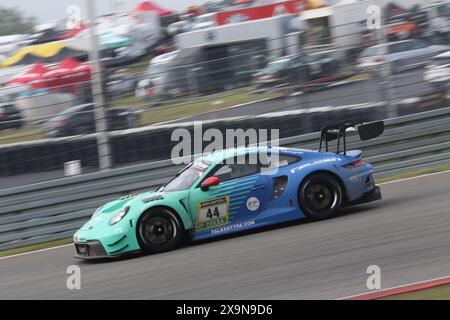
[90,250]
[94,249]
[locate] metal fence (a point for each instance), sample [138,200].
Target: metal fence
[55,209]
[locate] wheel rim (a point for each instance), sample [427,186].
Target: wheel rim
[320,197]
[158,230]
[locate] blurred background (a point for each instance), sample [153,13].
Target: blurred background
[154,66]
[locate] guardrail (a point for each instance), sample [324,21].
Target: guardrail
[153,143]
[55,209]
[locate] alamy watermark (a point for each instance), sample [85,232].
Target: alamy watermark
[191,146]
[73,281]
[373,21]
[374,280]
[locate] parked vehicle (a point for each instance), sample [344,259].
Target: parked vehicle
[295,69]
[121,85]
[204,21]
[201,70]
[157,77]
[399,56]
[438,70]
[222,193]
[439,21]
[80,119]
[10,117]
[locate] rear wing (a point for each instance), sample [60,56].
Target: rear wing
[366,131]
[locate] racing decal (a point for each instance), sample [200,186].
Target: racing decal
[213,213]
[233,227]
[201,165]
[306,165]
[238,191]
[253,203]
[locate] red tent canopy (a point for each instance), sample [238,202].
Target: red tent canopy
[35,73]
[150,6]
[63,69]
[68,72]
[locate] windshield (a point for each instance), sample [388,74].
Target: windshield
[276,65]
[82,109]
[370,52]
[186,177]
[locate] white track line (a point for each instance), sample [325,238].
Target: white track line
[36,251]
[416,177]
[392,288]
[384,183]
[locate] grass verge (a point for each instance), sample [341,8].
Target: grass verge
[22,135]
[200,106]
[34,247]
[415,173]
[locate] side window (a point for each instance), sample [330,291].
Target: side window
[283,160]
[86,114]
[396,48]
[416,44]
[235,169]
[8,109]
[296,60]
[223,172]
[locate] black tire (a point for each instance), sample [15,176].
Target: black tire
[320,196]
[159,230]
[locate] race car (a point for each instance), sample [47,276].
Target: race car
[235,190]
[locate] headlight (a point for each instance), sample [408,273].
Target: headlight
[119,215]
[97,211]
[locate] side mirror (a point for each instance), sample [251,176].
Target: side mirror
[209,182]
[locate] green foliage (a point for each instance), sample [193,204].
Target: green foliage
[13,21]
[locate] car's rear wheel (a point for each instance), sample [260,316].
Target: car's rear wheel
[320,196]
[159,230]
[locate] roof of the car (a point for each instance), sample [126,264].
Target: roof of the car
[165,57]
[219,156]
[282,60]
[77,107]
[390,43]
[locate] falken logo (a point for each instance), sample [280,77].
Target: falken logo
[306,165]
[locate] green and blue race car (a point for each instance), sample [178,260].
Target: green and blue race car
[223,193]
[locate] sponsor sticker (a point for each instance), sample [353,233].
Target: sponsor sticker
[233,227]
[213,213]
[253,203]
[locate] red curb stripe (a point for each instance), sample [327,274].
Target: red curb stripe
[401,290]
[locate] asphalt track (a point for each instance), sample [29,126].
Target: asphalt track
[406,85]
[407,235]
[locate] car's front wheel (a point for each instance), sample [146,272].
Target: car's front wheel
[159,230]
[320,196]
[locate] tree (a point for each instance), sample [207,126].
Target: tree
[13,21]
